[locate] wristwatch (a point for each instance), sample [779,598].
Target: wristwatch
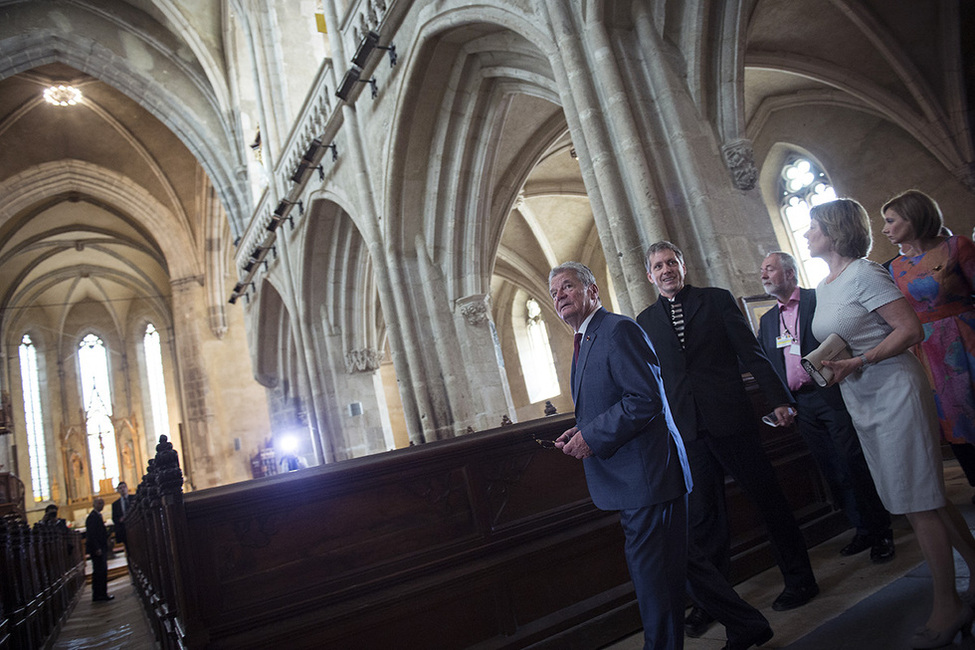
[863,360]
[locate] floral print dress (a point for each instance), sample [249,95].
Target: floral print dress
[940,284]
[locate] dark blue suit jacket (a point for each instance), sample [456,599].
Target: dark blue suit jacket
[769,330]
[622,411]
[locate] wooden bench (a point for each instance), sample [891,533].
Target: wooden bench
[483,541]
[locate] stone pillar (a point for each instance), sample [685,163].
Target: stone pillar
[481,351]
[363,413]
[189,315]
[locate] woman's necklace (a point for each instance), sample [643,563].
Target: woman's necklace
[835,274]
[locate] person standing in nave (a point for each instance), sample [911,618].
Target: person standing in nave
[703,341]
[120,509]
[891,403]
[785,333]
[632,454]
[96,545]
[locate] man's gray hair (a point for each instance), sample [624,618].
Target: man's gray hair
[662,245]
[582,272]
[788,263]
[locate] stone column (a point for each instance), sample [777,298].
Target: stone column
[189,314]
[481,351]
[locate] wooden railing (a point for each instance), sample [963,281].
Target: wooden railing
[484,541]
[41,572]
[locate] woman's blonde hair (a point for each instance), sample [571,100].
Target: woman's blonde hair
[846,224]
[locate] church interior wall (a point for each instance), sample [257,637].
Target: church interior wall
[868,159]
[510,136]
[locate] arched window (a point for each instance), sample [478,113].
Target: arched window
[96,392]
[537,363]
[36,448]
[802,184]
[156,381]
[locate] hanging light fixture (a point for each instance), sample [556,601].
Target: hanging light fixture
[62,95]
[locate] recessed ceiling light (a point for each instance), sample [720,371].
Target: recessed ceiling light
[62,95]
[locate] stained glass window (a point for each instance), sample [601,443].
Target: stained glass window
[803,185]
[34,420]
[156,381]
[96,394]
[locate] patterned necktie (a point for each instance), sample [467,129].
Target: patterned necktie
[576,342]
[677,318]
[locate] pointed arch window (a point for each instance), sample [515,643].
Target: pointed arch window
[537,363]
[156,381]
[802,185]
[96,392]
[34,420]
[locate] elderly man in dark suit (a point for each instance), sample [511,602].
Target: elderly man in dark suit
[96,545]
[703,341]
[632,454]
[785,333]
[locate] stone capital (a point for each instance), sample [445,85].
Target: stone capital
[364,360]
[739,156]
[475,308]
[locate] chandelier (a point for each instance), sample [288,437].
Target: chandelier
[62,95]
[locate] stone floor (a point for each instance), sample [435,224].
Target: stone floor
[862,606]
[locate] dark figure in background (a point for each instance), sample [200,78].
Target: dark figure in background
[703,341]
[631,451]
[96,545]
[58,523]
[120,509]
[824,423]
[51,517]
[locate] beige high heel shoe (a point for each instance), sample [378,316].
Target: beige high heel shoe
[927,638]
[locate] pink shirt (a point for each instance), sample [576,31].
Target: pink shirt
[796,377]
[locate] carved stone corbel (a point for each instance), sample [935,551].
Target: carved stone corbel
[739,156]
[365,360]
[474,308]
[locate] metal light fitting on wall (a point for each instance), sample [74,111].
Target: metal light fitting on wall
[349,81]
[369,43]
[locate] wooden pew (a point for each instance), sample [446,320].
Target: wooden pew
[42,571]
[483,541]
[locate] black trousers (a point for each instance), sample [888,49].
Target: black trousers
[708,549]
[99,575]
[709,553]
[832,439]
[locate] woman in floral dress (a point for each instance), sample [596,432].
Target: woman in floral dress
[937,276]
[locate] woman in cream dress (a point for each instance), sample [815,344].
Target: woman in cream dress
[890,401]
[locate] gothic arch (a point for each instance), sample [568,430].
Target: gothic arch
[473,77]
[67,178]
[273,331]
[339,285]
[126,54]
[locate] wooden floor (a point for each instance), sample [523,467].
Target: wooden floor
[114,625]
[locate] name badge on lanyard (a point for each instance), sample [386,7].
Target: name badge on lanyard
[786,341]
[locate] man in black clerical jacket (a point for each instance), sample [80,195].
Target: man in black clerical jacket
[703,341]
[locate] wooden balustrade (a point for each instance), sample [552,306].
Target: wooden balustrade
[484,541]
[42,571]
